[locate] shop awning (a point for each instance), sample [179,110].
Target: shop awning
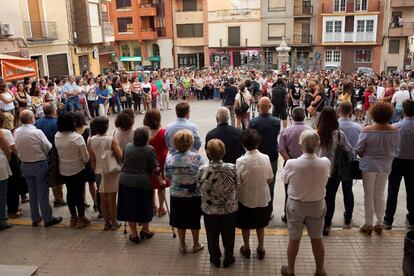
[136,58]
[155,58]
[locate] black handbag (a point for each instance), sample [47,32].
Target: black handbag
[356,172]
[342,164]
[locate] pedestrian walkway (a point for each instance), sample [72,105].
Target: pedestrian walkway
[63,251]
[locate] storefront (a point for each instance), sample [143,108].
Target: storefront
[130,63]
[236,57]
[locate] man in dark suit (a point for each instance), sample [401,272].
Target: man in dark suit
[268,128]
[229,135]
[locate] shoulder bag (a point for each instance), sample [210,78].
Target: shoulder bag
[242,108]
[109,162]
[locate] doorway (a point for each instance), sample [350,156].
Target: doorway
[83,63]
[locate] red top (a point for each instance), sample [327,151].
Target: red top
[367,104]
[161,150]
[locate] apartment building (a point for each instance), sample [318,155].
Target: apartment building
[45,31]
[398,35]
[350,33]
[92,35]
[190,33]
[143,33]
[294,20]
[234,33]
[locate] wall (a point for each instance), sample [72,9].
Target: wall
[220,31]
[13,18]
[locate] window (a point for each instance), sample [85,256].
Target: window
[187,60]
[189,5]
[339,5]
[338,27]
[234,36]
[276,31]
[125,24]
[365,26]
[361,5]
[123,4]
[391,69]
[333,26]
[369,26]
[94,15]
[189,30]
[329,26]
[155,50]
[394,46]
[333,56]
[362,55]
[276,5]
[125,52]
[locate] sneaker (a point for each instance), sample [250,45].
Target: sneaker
[83,222]
[387,226]
[73,222]
[54,221]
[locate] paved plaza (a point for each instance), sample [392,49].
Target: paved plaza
[63,251]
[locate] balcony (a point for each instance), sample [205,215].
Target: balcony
[108,32]
[233,14]
[40,31]
[302,40]
[368,37]
[149,34]
[406,29]
[303,10]
[402,3]
[147,9]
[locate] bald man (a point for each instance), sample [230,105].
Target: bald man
[33,148]
[268,128]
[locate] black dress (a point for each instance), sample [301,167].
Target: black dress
[89,173]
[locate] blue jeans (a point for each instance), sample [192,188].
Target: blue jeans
[36,178]
[216,93]
[3,200]
[73,104]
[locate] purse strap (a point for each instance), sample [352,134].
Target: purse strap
[109,144]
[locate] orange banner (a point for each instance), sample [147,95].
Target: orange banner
[18,69]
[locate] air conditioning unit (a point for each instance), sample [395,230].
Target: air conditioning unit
[6,30]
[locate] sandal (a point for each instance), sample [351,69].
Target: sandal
[284,271]
[183,249]
[198,248]
[107,227]
[115,226]
[146,235]
[134,239]
[161,212]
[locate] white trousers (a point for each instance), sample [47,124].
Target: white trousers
[374,201]
[165,100]
[103,110]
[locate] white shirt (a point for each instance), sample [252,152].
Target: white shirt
[5,170]
[253,171]
[7,107]
[72,151]
[307,177]
[31,144]
[400,96]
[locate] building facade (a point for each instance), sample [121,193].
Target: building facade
[92,36]
[143,33]
[234,28]
[398,34]
[296,22]
[350,33]
[45,34]
[190,33]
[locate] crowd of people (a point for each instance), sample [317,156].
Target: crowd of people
[359,127]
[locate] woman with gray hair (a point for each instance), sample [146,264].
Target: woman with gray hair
[398,98]
[306,202]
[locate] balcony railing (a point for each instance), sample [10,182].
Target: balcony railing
[194,10]
[401,29]
[302,39]
[350,37]
[40,31]
[304,10]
